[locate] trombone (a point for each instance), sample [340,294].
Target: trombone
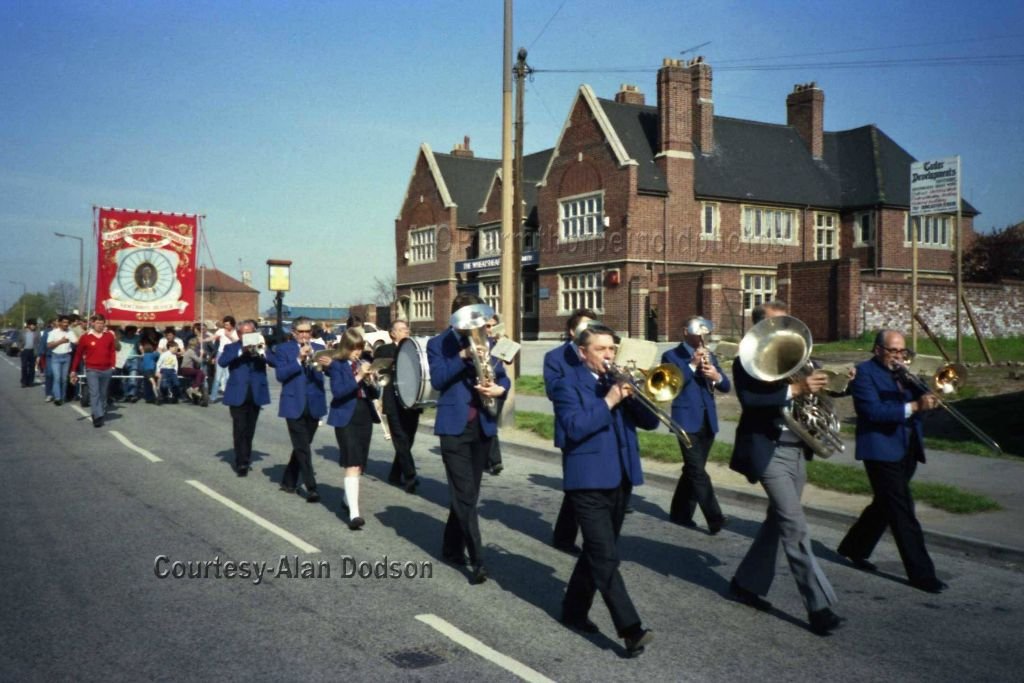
[660,384]
[946,380]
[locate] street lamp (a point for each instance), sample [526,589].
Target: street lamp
[24,290]
[81,270]
[279,280]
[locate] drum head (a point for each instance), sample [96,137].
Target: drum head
[408,372]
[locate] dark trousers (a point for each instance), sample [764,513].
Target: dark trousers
[243,428]
[892,506]
[694,487]
[301,431]
[566,526]
[464,457]
[28,367]
[403,425]
[494,454]
[600,513]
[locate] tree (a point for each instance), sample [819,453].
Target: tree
[63,296]
[996,256]
[385,290]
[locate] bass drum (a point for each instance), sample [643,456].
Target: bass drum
[412,374]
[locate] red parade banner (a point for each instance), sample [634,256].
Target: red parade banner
[147,267]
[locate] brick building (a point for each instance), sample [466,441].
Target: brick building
[218,294]
[651,213]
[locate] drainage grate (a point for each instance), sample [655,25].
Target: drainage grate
[414,659]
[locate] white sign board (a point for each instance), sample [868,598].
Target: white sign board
[935,186]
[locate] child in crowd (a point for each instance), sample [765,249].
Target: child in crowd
[150,356]
[167,364]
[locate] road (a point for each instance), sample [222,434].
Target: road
[89,519]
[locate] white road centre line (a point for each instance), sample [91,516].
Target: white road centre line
[252,516]
[475,646]
[80,411]
[129,445]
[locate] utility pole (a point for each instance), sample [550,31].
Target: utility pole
[509,282]
[81,270]
[516,248]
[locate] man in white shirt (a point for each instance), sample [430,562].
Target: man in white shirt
[59,343]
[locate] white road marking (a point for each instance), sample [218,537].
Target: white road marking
[80,411]
[490,654]
[129,445]
[248,514]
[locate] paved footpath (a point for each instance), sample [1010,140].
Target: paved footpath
[997,535]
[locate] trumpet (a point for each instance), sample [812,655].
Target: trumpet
[946,380]
[660,384]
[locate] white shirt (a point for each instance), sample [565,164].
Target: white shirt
[69,337]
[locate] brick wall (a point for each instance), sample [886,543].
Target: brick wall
[241,305]
[999,309]
[822,294]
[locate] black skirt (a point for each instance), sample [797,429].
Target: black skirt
[354,438]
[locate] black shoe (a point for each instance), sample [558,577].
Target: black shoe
[242,470]
[717,525]
[824,621]
[581,624]
[635,645]
[314,497]
[496,470]
[862,564]
[570,548]
[455,560]
[58,402]
[629,510]
[748,598]
[395,481]
[932,585]
[97,422]
[477,575]
[356,523]
[688,523]
[286,488]
[410,486]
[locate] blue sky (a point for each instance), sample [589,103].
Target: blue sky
[293,126]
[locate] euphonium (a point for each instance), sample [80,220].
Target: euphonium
[779,348]
[660,384]
[471,321]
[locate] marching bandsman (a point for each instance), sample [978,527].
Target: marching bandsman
[403,422]
[245,393]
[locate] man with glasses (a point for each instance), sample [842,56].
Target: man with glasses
[98,348]
[890,441]
[302,403]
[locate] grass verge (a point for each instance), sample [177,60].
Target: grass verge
[825,475]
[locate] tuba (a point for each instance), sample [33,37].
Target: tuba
[778,348]
[470,321]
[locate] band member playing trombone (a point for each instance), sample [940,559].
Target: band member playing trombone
[352,415]
[766,451]
[245,393]
[694,409]
[557,363]
[601,465]
[890,441]
[302,402]
[466,426]
[403,421]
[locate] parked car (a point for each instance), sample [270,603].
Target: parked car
[9,342]
[374,337]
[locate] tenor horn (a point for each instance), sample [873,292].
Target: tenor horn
[470,321]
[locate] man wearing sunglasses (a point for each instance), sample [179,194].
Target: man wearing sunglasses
[890,441]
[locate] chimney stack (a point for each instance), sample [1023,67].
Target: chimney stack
[703,106]
[675,118]
[629,94]
[462,149]
[805,111]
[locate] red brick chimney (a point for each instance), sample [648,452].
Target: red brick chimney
[462,149]
[675,118]
[629,94]
[703,106]
[805,111]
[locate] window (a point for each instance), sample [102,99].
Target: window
[825,245]
[768,225]
[863,228]
[934,230]
[757,289]
[528,297]
[582,290]
[709,221]
[422,304]
[490,292]
[423,245]
[582,217]
[490,242]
